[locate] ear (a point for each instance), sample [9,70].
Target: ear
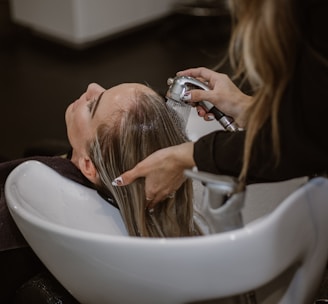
[88,169]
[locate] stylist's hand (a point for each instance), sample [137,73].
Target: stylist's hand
[163,172]
[223,94]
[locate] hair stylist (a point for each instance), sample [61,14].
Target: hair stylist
[280,47]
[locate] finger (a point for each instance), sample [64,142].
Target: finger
[200,72]
[201,111]
[153,196]
[127,177]
[209,117]
[195,96]
[156,196]
[156,199]
[149,203]
[171,195]
[166,192]
[187,72]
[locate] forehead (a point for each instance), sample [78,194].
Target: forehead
[119,98]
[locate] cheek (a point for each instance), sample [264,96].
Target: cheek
[78,129]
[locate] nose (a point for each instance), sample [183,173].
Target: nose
[93,89]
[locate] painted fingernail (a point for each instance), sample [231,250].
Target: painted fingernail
[186,96]
[118,181]
[210,117]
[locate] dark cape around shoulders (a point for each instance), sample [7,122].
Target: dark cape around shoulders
[10,236]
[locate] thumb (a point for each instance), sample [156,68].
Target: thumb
[126,178]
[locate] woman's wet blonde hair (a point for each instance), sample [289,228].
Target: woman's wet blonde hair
[262,51]
[148,125]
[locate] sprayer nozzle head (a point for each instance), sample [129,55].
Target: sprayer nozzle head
[170,81]
[181,111]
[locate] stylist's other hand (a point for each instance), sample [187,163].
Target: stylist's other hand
[163,171]
[223,94]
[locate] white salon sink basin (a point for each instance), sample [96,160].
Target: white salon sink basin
[82,241]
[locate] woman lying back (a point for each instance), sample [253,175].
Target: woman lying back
[110,131]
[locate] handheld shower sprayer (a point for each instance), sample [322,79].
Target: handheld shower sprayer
[181,84]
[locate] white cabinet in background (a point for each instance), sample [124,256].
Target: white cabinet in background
[81,22]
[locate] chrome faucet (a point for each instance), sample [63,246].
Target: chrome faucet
[220,209]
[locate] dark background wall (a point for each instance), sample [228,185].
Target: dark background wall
[39,78]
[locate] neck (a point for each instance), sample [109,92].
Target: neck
[75,159]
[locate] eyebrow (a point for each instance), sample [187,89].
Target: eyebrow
[96,104]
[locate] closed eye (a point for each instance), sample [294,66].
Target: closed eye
[91,104]
[95,104]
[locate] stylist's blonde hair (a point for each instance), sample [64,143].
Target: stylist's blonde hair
[262,49]
[148,125]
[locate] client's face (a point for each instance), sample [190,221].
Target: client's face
[94,107]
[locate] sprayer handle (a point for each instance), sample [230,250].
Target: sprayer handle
[226,121]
